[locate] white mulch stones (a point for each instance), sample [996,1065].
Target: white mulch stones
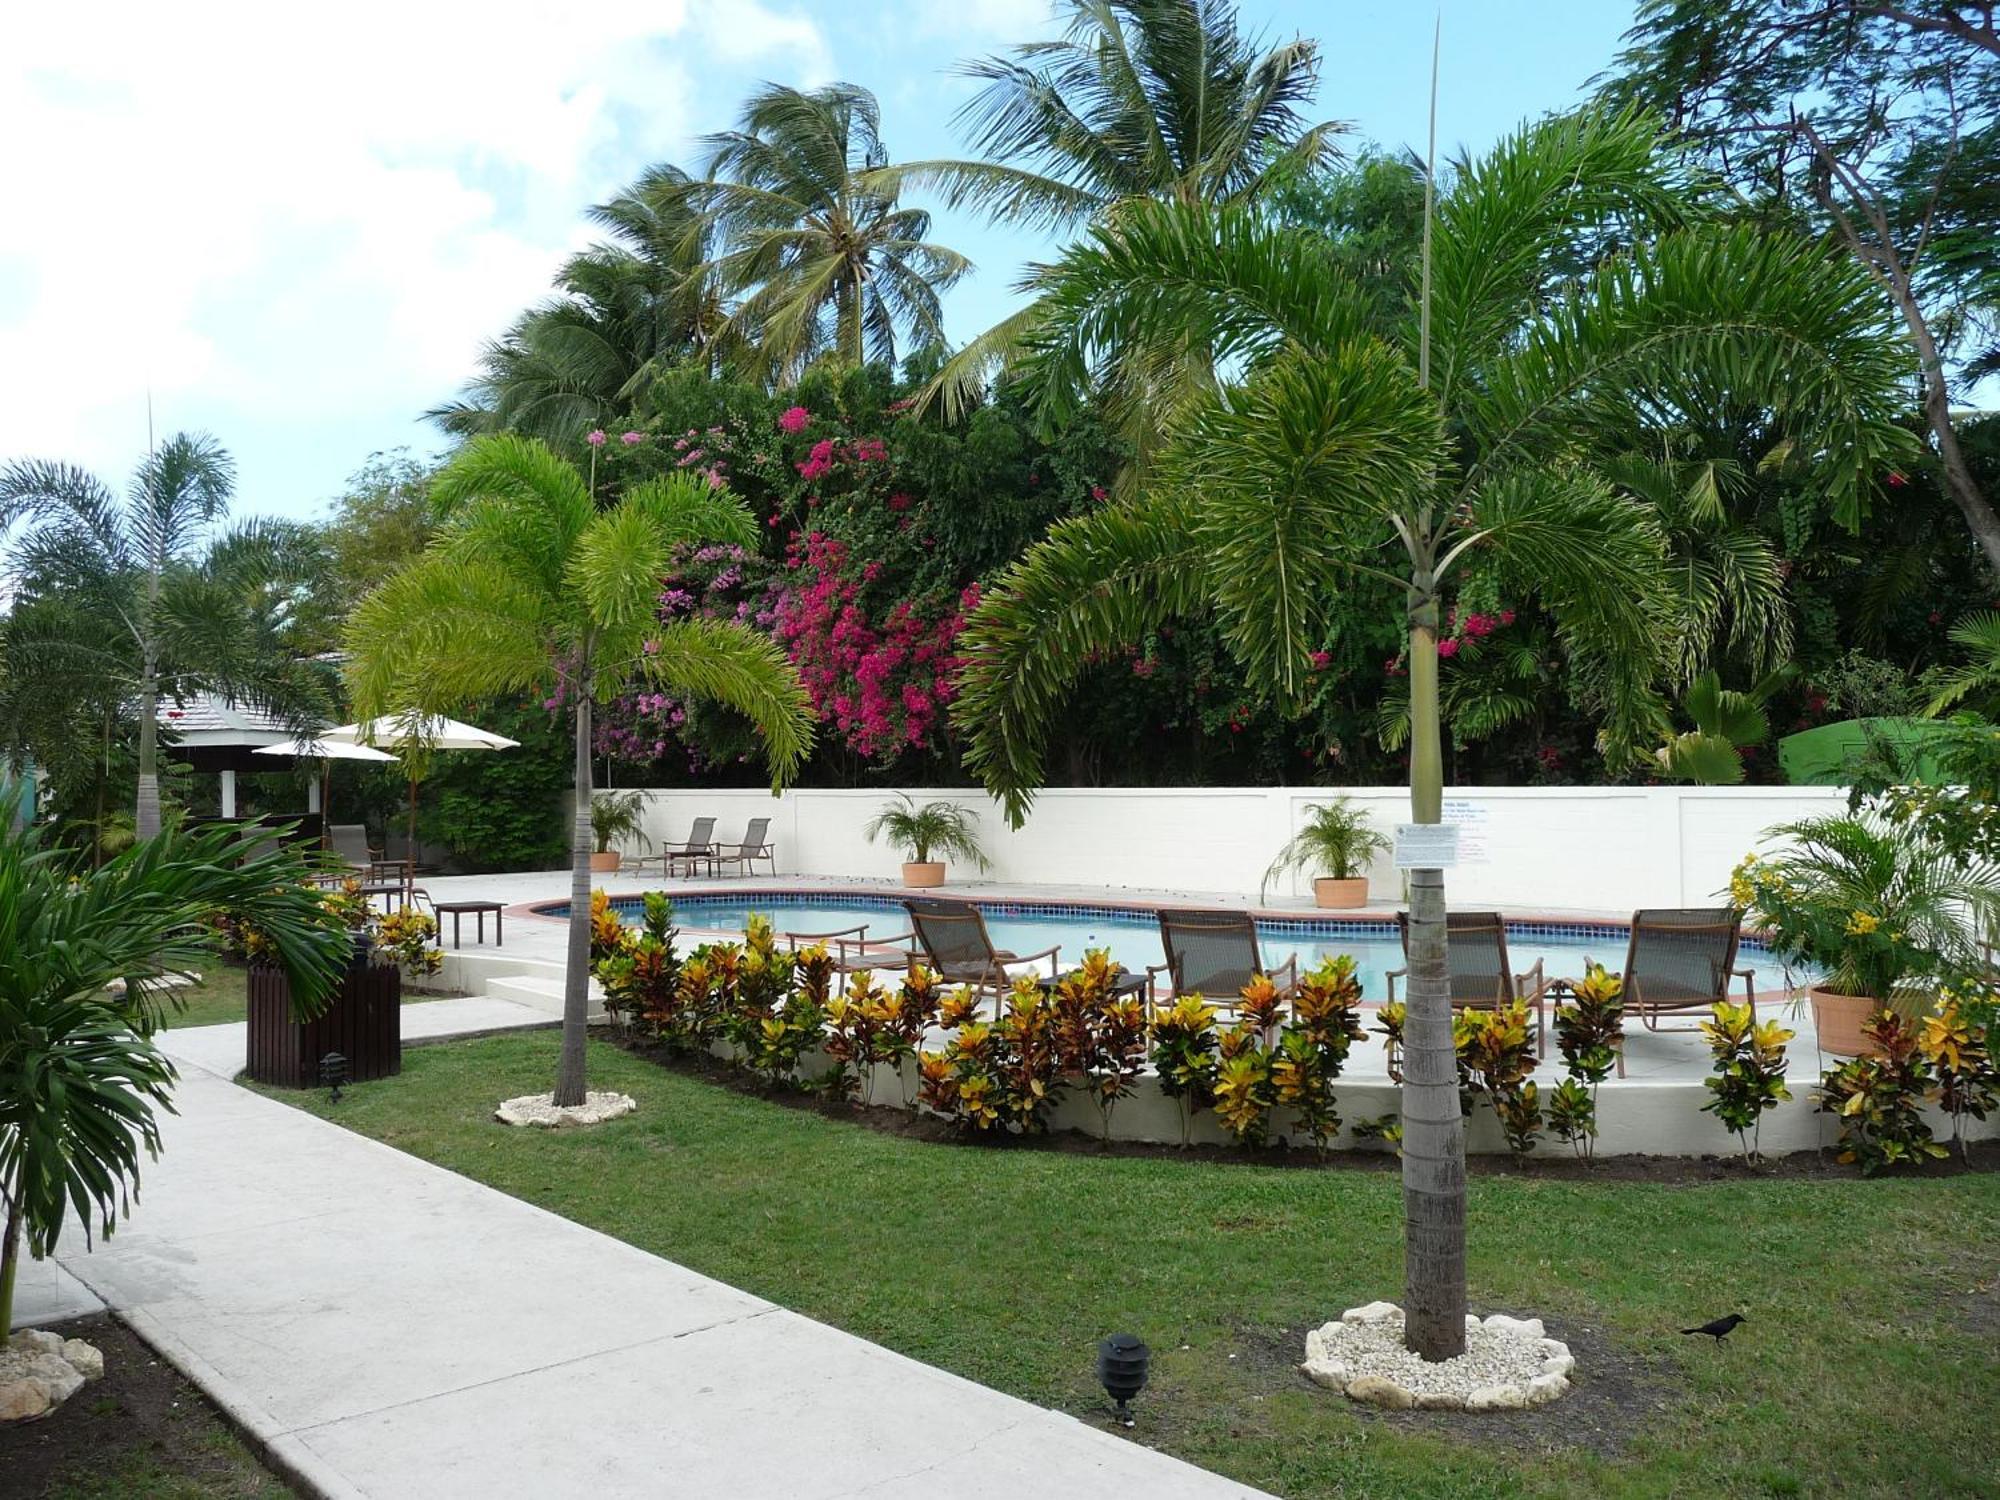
[540,1110]
[1508,1363]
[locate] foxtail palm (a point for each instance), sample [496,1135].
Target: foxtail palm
[528,582]
[822,259]
[1423,461]
[178,608]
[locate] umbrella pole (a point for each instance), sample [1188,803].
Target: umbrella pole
[410,853]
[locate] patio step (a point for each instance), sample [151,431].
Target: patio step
[543,992]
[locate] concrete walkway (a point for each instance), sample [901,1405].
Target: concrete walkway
[391,1329]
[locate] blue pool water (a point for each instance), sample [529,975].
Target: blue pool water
[1133,936]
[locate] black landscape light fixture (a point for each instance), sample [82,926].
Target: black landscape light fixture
[332,1074]
[1122,1360]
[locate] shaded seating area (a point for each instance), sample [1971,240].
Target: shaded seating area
[951,939]
[1481,975]
[1213,954]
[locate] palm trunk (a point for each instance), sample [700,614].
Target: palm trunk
[146,817]
[10,1253]
[576,971]
[1433,1127]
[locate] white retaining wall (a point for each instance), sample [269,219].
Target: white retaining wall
[1555,848]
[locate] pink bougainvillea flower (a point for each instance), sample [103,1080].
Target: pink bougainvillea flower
[629,438]
[1896,480]
[1320,660]
[1477,625]
[1447,647]
[794,419]
[1506,617]
[595,438]
[1099,492]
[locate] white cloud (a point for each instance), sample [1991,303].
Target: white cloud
[268,206]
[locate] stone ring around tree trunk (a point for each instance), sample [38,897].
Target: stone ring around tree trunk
[540,1110]
[1508,1363]
[40,1370]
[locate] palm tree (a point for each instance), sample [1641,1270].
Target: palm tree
[82,992]
[1138,100]
[1466,446]
[528,580]
[159,617]
[820,255]
[624,309]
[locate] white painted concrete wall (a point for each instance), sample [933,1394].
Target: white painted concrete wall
[1558,848]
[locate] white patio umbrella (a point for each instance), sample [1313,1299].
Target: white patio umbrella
[421,733]
[323,750]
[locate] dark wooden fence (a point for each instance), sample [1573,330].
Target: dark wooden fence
[363,1023]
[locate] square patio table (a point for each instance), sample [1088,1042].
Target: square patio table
[478,910]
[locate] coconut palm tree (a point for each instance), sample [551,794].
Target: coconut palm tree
[82,992]
[1467,447]
[625,308]
[169,606]
[819,254]
[1137,100]
[528,581]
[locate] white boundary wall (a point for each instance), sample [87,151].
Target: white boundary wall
[1554,848]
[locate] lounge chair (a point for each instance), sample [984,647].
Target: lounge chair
[756,845]
[700,845]
[951,939]
[1481,974]
[852,952]
[349,842]
[1682,960]
[1213,954]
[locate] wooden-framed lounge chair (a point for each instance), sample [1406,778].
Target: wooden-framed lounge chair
[756,845]
[853,952]
[700,847]
[1682,960]
[1213,954]
[1481,973]
[952,941]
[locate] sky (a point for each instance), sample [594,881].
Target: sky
[293,227]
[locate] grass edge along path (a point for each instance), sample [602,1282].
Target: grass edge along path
[1868,1366]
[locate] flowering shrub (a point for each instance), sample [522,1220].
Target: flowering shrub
[1496,1055]
[1184,1056]
[1313,1049]
[409,938]
[1099,1037]
[1878,1100]
[1590,1030]
[1749,1074]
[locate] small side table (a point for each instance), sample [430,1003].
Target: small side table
[478,910]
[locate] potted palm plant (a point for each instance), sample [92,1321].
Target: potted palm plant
[1879,913]
[1336,845]
[620,816]
[942,828]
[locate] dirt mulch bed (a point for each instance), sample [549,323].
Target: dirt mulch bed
[142,1431]
[1553,1162]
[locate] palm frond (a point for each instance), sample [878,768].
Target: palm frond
[740,668]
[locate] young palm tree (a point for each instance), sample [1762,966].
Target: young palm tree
[821,257]
[624,309]
[1137,100]
[1468,446]
[81,994]
[163,619]
[528,581]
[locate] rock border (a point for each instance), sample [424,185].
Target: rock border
[1329,1364]
[539,1111]
[40,1370]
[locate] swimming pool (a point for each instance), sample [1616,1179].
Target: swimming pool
[1132,934]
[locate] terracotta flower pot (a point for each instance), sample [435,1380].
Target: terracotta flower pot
[1840,1019]
[922,875]
[1340,894]
[604,862]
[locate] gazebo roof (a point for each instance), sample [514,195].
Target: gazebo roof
[206,722]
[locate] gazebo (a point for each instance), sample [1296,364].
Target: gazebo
[215,734]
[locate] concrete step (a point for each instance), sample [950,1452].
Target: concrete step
[542,992]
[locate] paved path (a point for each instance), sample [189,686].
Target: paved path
[391,1329]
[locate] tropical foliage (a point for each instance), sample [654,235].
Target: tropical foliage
[96,961]
[947,829]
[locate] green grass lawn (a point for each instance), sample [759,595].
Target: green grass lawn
[1868,1366]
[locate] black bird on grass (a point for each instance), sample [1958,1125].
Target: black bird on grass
[1720,1329]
